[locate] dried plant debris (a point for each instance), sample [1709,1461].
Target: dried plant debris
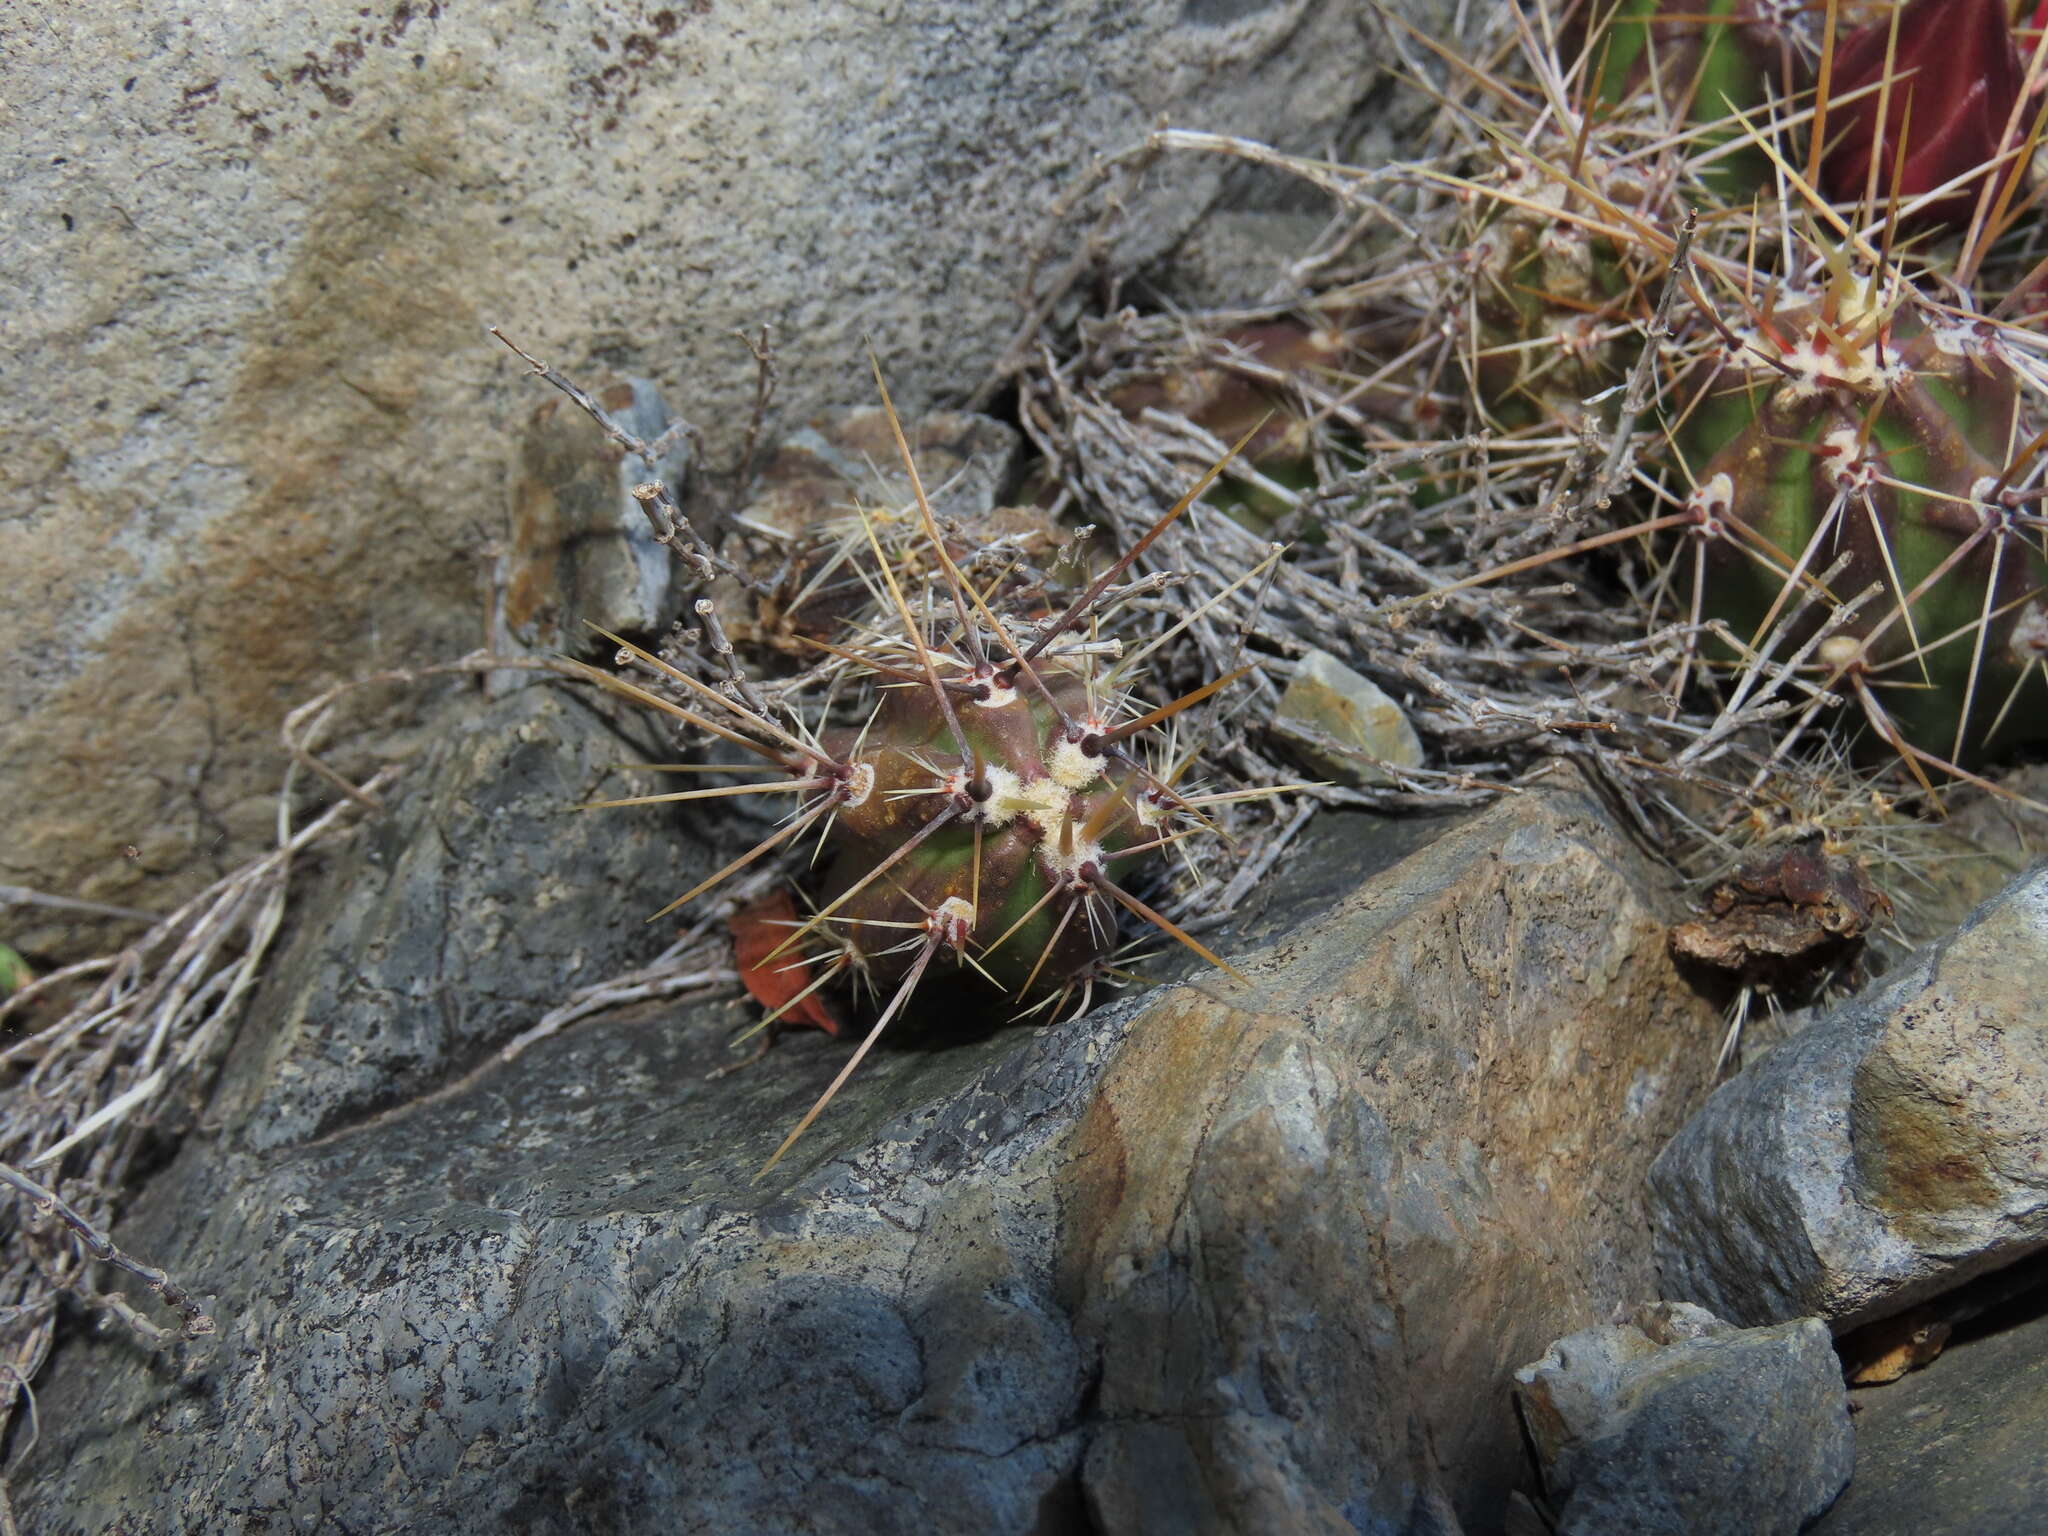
[995,767]
[114,1044]
[1785,911]
[1598,430]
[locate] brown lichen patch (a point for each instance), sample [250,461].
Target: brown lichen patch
[1130,1163]
[1945,1109]
[599,94]
[165,734]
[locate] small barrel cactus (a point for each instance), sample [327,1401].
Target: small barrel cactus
[1552,301]
[1019,805]
[978,826]
[1854,436]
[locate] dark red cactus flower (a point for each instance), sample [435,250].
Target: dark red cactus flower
[1956,76]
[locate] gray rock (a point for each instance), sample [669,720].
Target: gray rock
[253,432]
[1210,1259]
[580,550]
[847,457]
[1890,1150]
[1679,1425]
[1568,1396]
[454,921]
[1343,724]
[1954,1449]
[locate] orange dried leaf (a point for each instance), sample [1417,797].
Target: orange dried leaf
[759,932]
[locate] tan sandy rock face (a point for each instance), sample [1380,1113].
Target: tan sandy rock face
[254,437]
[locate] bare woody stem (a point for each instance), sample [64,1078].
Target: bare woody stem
[672,528]
[99,1246]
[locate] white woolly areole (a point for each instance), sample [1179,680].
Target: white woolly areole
[951,921]
[858,785]
[2029,640]
[999,697]
[1815,365]
[1006,797]
[1073,767]
[1067,868]
[1841,652]
[1984,496]
[1961,338]
[1042,802]
[1848,466]
[1713,498]
[1813,362]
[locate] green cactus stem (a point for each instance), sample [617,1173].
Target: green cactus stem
[980,827]
[1858,434]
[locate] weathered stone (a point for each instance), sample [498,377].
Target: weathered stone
[803,513]
[1888,1151]
[452,922]
[1570,1393]
[1314,1225]
[1677,1424]
[1219,1257]
[1954,1449]
[253,433]
[847,457]
[1343,724]
[581,551]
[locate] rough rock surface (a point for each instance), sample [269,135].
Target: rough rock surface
[1220,1258]
[455,922]
[253,433]
[580,549]
[1888,1151]
[1677,1424]
[1954,1449]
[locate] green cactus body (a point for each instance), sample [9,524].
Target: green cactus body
[1261,415]
[1020,863]
[1862,424]
[1702,64]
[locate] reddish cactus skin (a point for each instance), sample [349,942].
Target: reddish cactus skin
[1956,77]
[1051,815]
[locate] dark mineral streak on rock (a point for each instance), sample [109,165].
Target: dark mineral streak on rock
[1209,1259]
